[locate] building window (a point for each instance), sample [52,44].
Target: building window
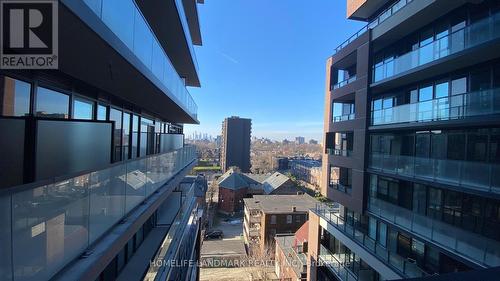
[273,219]
[116,116]
[126,135]
[83,109]
[15,97]
[147,137]
[102,112]
[51,104]
[135,135]
[289,219]
[298,218]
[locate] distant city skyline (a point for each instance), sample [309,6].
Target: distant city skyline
[196,135]
[271,71]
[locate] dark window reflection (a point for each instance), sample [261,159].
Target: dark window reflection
[147,137]
[126,135]
[16,97]
[135,135]
[116,116]
[51,104]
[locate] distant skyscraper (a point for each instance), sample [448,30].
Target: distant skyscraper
[236,143]
[311,141]
[300,140]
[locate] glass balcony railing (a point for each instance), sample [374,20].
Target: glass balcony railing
[340,187]
[402,266]
[387,13]
[479,249]
[339,152]
[126,21]
[336,263]
[477,33]
[477,176]
[446,108]
[166,253]
[56,221]
[345,82]
[343,117]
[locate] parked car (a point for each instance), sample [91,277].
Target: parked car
[214,234]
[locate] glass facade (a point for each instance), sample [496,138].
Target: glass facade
[467,158]
[464,94]
[83,109]
[51,104]
[115,116]
[343,111]
[458,31]
[15,98]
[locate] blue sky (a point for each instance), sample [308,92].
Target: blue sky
[265,60]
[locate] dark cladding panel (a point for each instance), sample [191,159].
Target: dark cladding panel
[65,147]
[5,238]
[11,151]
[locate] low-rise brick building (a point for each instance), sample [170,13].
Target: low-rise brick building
[291,255]
[268,215]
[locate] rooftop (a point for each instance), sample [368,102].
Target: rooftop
[281,204]
[233,179]
[274,181]
[308,162]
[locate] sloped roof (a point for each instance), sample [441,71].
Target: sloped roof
[233,180]
[274,181]
[302,234]
[257,178]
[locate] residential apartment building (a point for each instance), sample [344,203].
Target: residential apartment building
[268,215]
[411,144]
[308,170]
[300,140]
[235,150]
[91,151]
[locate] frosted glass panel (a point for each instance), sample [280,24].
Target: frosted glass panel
[5,239]
[65,147]
[11,151]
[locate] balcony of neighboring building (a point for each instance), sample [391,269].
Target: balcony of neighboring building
[467,95]
[339,144]
[343,111]
[128,58]
[448,160]
[340,179]
[344,264]
[343,73]
[388,264]
[462,224]
[460,40]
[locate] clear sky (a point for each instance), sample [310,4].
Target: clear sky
[265,60]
